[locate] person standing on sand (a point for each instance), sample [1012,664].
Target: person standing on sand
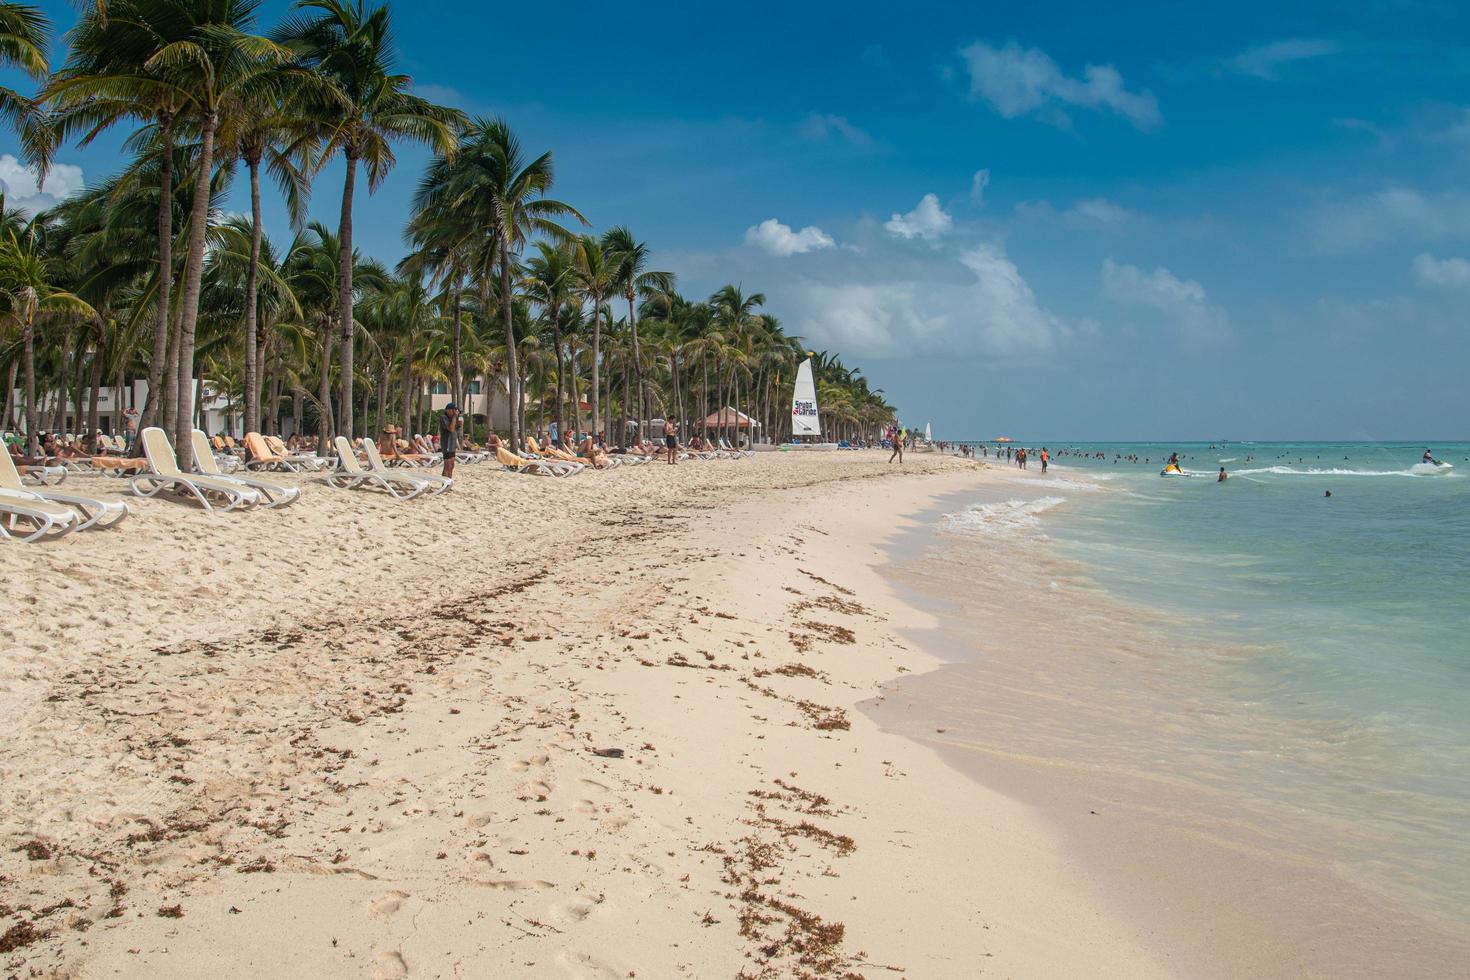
[1045,458]
[450,426]
[130,428]
[897,447]
[671,441]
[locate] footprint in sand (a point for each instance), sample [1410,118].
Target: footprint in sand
[583,965]
[478,820]
[385,906]
[389,965]
[595,785]
[573,911]
[508,885]
[525,764]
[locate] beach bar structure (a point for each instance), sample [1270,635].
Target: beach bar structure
[730,418]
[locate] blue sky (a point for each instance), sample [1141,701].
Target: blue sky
[1052,221]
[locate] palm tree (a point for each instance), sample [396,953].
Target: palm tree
[549,282]
[597,277]
[367,109]
[26,287]
[110,77]
[634,279]
[24,38]
[487,183]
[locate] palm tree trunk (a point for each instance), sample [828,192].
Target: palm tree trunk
[572,376]
[9,418]
[33,444]
[511,373]
[94,395]
[324,392]
[556,352]
[153,412]
[193,276]
[458,345]
[637,361]
[252,286]
[344,291]
[408,381]
[196,417]
[596,359]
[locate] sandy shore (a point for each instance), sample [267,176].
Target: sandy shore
[360,738]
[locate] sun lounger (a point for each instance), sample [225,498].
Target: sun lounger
[271,494]
[352,476]
[43,476]
[258,456]
[310,461]
[536,467]
[164,474]
[46,521]
[98,512]
[437,484]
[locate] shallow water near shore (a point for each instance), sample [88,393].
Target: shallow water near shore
[1244,703]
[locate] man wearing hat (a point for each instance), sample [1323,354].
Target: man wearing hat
[450,426]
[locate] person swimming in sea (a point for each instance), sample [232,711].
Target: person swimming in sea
[1221,478]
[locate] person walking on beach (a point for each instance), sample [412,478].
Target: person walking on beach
[450,426]
[1045,458]
[671,441]
[897,447]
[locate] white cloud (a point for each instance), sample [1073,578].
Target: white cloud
[1019,81]
[1266,60]
[926,220]
[978,183]
[979,306]
[1394,213]
[780,240]
[19,182]
[1181,303]
[819,126]
[1430,271]
[1097,210]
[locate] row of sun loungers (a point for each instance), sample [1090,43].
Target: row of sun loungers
[31,509]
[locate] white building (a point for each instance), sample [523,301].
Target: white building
[219,414]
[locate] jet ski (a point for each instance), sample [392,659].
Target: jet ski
[1172,470]
[1435,468]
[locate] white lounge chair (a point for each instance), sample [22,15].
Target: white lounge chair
[437,484]
[47,521]
[98,512]
[535,467]
[271,494]
[352,476]
[165,475]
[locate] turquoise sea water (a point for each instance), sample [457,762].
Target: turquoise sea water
[1352,612]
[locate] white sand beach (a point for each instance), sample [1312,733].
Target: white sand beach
[359,737]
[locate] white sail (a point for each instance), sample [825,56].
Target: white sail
[928,433]
[804,418]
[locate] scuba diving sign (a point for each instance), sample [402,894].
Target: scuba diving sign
[804,418]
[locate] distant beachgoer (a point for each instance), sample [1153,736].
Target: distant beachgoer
[671,441]
[130,427]
[897,448]
[1221,478]
[1045,458]
[1327,493]
[450,426]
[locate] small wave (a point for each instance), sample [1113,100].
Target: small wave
[1316,471]
[1010,515]
[1230,459]
[1061,483]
